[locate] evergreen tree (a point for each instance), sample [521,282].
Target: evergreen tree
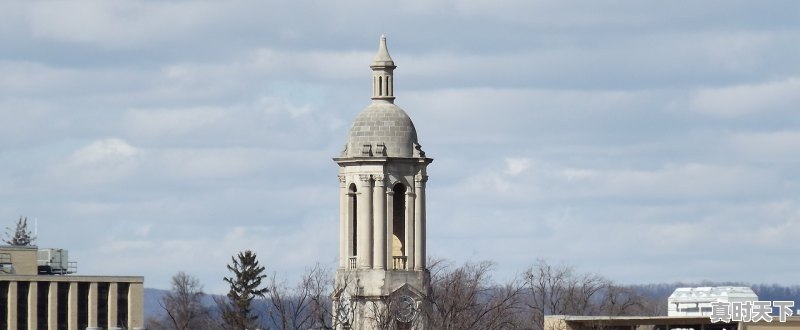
[245,286]
[22,236]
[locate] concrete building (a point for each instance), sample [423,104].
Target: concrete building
[697,301]
[689,308]
[382,277]
[29,300]
[562,322]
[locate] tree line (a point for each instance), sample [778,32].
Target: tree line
[462,296]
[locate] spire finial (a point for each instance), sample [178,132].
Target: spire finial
[382,58]
[382,71]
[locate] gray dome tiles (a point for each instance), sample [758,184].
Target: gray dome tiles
[382,129]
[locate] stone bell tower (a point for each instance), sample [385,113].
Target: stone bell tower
[382,280]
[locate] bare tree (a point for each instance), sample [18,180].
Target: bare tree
[620,300]
[321,287]
[306,305]
[544,283]
[287,306]
[559,290]
[465,297]
[183,306]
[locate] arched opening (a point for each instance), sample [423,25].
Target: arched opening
[352,204]
[380,86]
[399,226]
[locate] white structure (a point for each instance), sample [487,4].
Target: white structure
[55,261]
[697,301]
[382,276]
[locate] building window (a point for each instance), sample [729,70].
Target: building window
[83,305]
[102,305]
[42,292]
[62,308]
[3,304]
[22,304]
[399,224]
[122,304]
[353,212]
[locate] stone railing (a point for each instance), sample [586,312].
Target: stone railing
[399,262]
[352,262]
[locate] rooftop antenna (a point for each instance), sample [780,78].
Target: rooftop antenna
[36,227]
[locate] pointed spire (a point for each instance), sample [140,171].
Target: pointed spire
[382,58]
[382,74]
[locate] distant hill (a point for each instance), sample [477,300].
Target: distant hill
[655,293]
[152,299]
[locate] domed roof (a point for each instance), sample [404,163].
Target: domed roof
[382,129]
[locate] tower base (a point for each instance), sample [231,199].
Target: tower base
[380,299]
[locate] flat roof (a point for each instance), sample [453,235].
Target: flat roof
[650,320]
[72,278]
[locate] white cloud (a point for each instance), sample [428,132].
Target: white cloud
[770,146]
[739,51]
[91,208]
[746,99]
[554,118]
[277,247]
[25,77]
[274,105]
[100,162]
[208,163]
[513,177]
[515,166]
[692,180]
[118,24]
[23,120]
[162,123]
[107,151]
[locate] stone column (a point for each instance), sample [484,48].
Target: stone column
[379,219]
[135,306]
[72,306]
[11,301]
[52,306]
[389,86]
[410,234]
[92,306]
[112,306]
[351,230]
[389,227]
[365,222]
[419,222]
[343,222]
[33,296]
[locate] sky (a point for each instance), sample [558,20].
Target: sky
[644,141]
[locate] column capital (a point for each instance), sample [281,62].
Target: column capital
[365,179]
[342,180]
[379,180]
[421,178]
